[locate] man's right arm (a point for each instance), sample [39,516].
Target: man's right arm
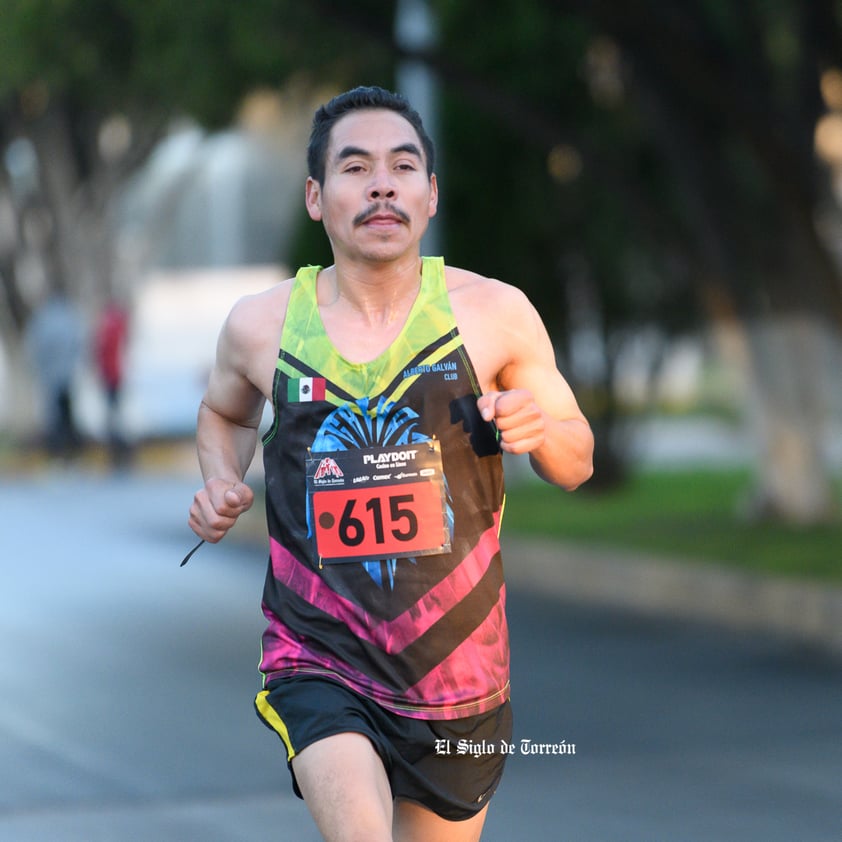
[226,433]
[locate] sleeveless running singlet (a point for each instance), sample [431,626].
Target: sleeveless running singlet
[384,497]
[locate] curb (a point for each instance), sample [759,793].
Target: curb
[801,611]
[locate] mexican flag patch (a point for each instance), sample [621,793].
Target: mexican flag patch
[305,389]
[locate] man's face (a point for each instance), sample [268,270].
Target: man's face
[376,199]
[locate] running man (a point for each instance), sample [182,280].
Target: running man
[397,383]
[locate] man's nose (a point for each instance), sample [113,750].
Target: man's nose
[381,186]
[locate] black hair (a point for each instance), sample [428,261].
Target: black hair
[359,99]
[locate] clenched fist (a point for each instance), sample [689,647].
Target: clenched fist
[217,506]
[518,418]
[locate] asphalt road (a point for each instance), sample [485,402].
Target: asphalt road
[126,686]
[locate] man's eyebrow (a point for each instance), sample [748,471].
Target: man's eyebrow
[357,151]
[351,152]
[409,148]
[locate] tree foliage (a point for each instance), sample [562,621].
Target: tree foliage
[680,137]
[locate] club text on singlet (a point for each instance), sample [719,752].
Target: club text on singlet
[384,493]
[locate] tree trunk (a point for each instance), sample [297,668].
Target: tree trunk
[788,378]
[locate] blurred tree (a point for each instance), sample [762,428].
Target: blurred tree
[652,163]
[88,88]
[729,95]
[629,163]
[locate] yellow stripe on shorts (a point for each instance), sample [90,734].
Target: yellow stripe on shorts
[270,716]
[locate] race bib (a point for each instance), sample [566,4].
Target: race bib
[378,502]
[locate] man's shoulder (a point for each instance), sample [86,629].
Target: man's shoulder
[458,278]
[270,297]
[495,320]
[262,311]
[470,289]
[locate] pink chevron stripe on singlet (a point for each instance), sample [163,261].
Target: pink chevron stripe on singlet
[395,635]
[484,661]
[477,669]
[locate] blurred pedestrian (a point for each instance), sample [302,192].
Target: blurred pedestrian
[55,341]
[110,340]
[397,383]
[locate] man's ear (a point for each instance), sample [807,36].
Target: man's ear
[434,197]
[313,199]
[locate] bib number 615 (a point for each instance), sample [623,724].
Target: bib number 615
[388,522]
[353,532]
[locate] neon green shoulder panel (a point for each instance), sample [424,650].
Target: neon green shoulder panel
[306,348]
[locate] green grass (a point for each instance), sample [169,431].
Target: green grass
[681,515]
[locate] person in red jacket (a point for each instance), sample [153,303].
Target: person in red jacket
[109,350]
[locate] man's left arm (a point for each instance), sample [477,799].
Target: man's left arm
[535,409]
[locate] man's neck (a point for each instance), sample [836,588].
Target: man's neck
[379,292]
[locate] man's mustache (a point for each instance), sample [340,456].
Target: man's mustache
[374,210]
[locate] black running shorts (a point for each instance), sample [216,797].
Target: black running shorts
[450,766]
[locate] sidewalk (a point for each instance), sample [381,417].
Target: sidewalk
[806,612]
